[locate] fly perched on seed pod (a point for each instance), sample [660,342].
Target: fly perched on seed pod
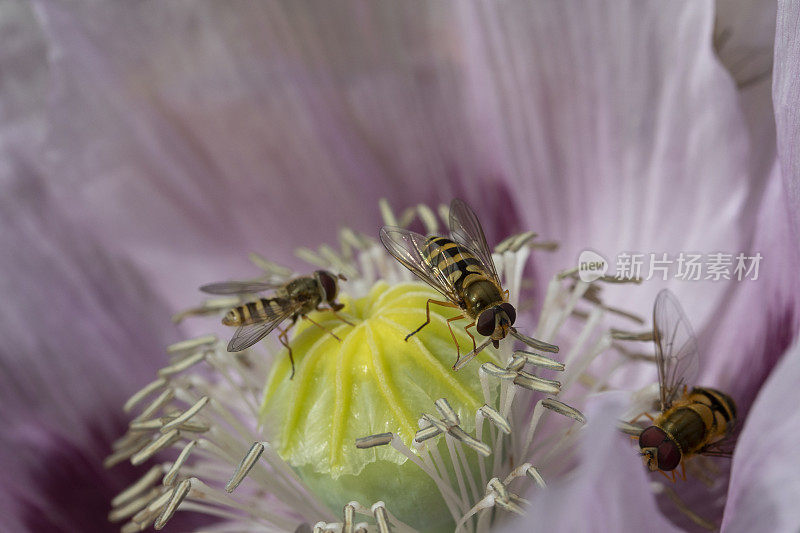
[461,268]
[691,422]
[291,300]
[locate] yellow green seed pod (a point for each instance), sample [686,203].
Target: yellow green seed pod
[373,381]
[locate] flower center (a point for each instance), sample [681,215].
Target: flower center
[371,381]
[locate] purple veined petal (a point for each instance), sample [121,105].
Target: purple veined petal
[764,487]
[81,330]
[609,489]
[262,128]
[786,99]
[759,319]
[621,128]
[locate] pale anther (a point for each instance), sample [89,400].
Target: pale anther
[470,441]
[516,363]
[183,364]
[144,483]
[245,466]
[143,393]
[176,497]
[534,383]
[496,418]
[190,344]
[540,360]
[426,433]
[156,404]
[380,439]
[564,409]
[156,446]
[186,415]
[446,410]
[169,477]
[498,372]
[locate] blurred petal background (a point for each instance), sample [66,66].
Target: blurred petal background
[146,148]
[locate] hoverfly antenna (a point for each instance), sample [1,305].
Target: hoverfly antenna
[341,277]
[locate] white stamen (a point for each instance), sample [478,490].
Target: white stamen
[229,391]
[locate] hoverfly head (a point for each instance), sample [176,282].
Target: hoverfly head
[659,450]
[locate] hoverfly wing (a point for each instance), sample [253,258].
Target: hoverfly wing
[407,247]
[720,448]
[676,347]
[279,310]
[465,229]
[239,287]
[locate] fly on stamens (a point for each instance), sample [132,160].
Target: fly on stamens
[461,268]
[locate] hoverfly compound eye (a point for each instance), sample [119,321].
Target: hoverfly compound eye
[328,282]
[669,456]
[651,437]
[485,325]
[510,311]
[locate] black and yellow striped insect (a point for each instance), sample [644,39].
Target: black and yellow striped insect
[691,422]
[461,269]
[291,300]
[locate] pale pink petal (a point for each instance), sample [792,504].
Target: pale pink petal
[609,489]
[765,488]
[621,128]
[191,134]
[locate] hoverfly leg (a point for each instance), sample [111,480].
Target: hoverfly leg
[340,317]
[474,346]
[332,334]
[666,475]
[285,341]
[640,415]
[428,315]
[452,334]
[683,471]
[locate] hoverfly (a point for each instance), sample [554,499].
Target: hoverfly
[691,422]
[293,299]
[461,269]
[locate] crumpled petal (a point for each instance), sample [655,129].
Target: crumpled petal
[609,489]
[744,39]
[765,488]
